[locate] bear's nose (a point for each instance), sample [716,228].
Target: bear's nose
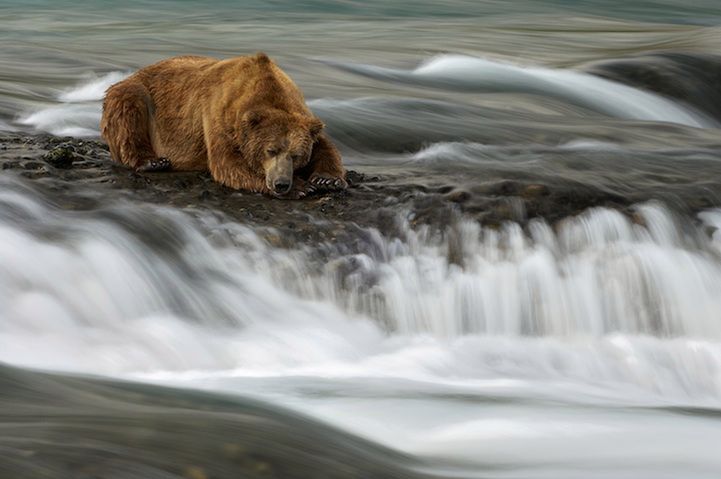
[281,186]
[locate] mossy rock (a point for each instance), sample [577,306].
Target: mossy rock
[61,156]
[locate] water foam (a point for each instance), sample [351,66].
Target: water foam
[78,111]
[92,89]
[479,75]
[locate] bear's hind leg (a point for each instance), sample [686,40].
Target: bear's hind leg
[325,170]
[125,126]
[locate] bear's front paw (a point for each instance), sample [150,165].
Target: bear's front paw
[327,182]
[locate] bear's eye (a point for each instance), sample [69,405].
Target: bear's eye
[272,151]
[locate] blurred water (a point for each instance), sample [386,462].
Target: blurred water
[536,342]
[586,348]
[50,47]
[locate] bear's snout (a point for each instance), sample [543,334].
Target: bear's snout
[281,187]
[279,174]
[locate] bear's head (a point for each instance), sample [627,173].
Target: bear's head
[276,144]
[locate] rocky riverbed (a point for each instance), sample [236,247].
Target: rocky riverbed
[79,174]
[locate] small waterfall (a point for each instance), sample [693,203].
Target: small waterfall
[146,289]
[599,274]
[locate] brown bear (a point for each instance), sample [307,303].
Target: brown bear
[242,118]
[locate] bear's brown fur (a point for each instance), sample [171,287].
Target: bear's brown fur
[242,118]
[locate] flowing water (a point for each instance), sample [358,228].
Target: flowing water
[584,347]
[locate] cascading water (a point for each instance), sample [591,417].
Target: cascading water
[603,309]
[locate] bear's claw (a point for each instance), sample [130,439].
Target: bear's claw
[328,183]
[159,164]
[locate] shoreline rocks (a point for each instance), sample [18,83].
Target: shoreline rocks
[70,170]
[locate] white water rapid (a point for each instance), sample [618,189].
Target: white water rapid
[554,342]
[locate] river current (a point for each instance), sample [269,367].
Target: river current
[581,347]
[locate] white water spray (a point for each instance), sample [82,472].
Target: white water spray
[77,110]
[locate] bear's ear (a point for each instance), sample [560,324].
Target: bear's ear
[251,119]
[315,127]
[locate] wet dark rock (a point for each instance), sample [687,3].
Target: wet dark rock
[61,156]
[458,196]
[693,78]
[33,165]
[535,191]
[354,178]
